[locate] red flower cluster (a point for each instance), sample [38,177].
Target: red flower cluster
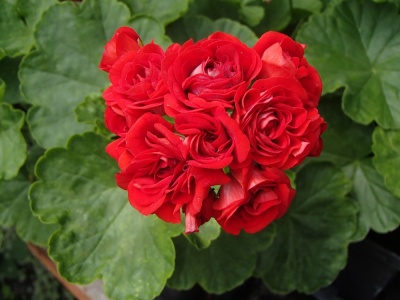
[206,114]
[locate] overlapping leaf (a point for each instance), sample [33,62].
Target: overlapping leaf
[277,15]
[249,12]
[101,235]
[225,264]
[386,147]
[199,27]
[379,209]
[207,233]
[165,11]
[310,246]
[17,23]
[8,71]
[2,89]
[344,141]
[356,46]
[15,211]
[64,69]
[91,111]
[12,142]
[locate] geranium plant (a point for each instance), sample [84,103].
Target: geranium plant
[209,114]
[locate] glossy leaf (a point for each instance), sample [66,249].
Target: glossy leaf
[164,11]
[386,147]
[310,247]
[356,47]
[228,261]
[15,211]
[101,235]
[54,79]
[344,141]
[379,209]
[12,142]
[17,23]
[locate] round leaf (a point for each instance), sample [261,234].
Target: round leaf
[8,72]
[165,11]
[356,46]
[379,209]
[17,23]
[386,147]
[12,142]
[101,235]
[15,211]
[199,27]
[207,233]
[344,141]
[310,246]
[227,263]
[64,69]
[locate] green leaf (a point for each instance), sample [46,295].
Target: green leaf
[344,141]
[2,89]
[207,233]
[199,27]
[277,15]
[165,11]
[246,11]
[356,47]
[8,71]
[64,69]
[379,209]
[310,246]
[396,2]
[17,23]
[250,13]
[12,142]
[91,111]
[150,30]
[386,147]
[242,32]
[227,263]
[312,6]
[101,235]
[15,211]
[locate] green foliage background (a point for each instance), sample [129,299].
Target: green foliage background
[57,184]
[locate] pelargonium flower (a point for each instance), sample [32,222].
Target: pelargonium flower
[252,200]
[210,71]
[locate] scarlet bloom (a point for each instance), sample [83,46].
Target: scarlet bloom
[251,201]
[124,40]
[137,86]
[155,172]
[282,132]
[215,140]
[207,73]
[283,57]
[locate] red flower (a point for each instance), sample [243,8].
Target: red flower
[282,132]
[214,141]
[137,86]
[124,40]
[208,73]
[283,57]
[252,201]
[156,174]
